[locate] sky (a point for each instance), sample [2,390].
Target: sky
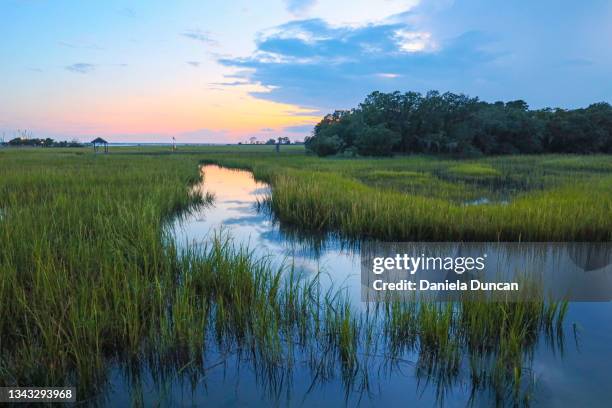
[225,71]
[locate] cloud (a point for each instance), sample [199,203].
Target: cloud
[194,64]
[201,36]
[312,63]
[298,7]
[388,75]
[85,68]
[349,12]
[267,130]
[414,41]
[233,83]
[302,129]
[81,68]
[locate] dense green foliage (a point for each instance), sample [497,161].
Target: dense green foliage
[386,123]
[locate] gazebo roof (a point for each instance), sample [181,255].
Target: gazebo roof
[99,140]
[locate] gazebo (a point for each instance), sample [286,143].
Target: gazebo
[97,142]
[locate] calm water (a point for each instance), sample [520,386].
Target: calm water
[578,375]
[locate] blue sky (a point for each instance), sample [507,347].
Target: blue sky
[226,71]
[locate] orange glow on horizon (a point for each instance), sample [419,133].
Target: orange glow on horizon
[233,112]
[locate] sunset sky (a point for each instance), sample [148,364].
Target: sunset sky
[223,71]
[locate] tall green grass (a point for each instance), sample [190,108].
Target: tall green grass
[327,201]
[528,198]
[90,280]
[90,276]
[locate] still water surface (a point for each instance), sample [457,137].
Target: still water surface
[578,375]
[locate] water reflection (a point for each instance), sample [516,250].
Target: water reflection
[241,209]
[395,369]
[578,271]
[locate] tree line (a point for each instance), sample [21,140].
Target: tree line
[36,142]
[388,123]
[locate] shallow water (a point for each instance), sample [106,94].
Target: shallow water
[577,375]
[485,200]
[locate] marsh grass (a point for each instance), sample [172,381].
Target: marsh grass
[90,279]
[475,170]
[330,202]
[420,198]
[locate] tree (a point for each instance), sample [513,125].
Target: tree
[376,141]
[324,145]
[386,123]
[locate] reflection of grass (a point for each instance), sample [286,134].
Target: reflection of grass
[496,340]
[88,279]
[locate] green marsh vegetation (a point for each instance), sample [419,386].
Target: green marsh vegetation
[415,198]
[90,278]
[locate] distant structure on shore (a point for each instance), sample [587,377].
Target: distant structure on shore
[99,142]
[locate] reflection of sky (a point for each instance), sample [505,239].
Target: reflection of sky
[234,212]
[577,376]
